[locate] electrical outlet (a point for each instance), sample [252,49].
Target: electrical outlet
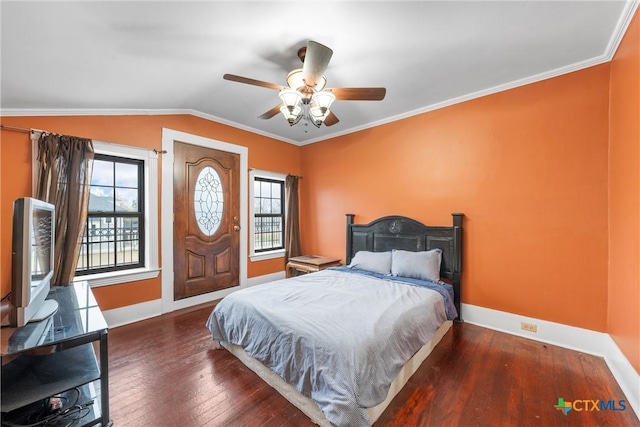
[529,327]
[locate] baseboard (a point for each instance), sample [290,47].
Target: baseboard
[252,281]
[624,373]
[133,313]
[570,337]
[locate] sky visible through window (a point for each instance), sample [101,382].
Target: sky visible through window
[114,186]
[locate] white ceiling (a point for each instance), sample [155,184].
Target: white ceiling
[122,57]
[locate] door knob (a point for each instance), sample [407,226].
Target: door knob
[236,227]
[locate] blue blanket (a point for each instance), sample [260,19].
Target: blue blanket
[339,337]
[444,289]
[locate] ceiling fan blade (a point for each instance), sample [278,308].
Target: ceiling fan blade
[272,112]
[359,93]
[331,119]
[247,80]
[315,63]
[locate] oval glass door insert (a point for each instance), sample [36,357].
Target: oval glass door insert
[208,200]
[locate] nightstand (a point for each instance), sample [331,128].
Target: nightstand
[310,263]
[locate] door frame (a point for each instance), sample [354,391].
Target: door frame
[169,136]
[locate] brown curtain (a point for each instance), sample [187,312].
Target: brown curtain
[64,177]
[292,245]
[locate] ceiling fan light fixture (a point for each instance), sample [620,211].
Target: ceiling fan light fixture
[291,98]
[318,115]
[293,115]
[323,99]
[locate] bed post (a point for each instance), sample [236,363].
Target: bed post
[457,262]
[349,243]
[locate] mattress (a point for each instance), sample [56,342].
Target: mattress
[309,407]
[339,338]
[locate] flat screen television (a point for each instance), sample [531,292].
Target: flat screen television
[32,263]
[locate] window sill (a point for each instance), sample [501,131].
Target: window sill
[261,256]
[118,277]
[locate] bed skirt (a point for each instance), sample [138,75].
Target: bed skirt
[309,407]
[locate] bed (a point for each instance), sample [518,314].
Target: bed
[341,343]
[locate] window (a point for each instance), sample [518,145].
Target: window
[147,206]
[114,234]
[267,215]
[268,196]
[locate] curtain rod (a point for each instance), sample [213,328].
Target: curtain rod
[19,129]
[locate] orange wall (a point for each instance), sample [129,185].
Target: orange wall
[527,167]
[624,196]
[140,131]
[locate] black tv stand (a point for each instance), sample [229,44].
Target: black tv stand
[56,357]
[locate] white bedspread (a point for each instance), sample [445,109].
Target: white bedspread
[340,338]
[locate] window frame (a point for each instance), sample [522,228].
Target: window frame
[115,215]
[151,211]
[261,255]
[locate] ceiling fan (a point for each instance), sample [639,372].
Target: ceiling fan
[305,96]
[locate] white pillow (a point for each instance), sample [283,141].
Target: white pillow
[423,265]
[378,262]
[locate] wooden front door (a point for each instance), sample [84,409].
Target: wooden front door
[206,225]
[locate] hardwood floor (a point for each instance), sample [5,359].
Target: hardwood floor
[164,372]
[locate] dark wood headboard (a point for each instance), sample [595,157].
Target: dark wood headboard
[399,232]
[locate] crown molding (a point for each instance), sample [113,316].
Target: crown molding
[621,27]
[626,17]
[48,112]
[51,112]
[240,126]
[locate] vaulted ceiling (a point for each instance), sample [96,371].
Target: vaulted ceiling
[145,57]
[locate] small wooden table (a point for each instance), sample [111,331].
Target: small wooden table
[310,263]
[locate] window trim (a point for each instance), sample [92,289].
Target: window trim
[151,213]
[262,255]
[270,217]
